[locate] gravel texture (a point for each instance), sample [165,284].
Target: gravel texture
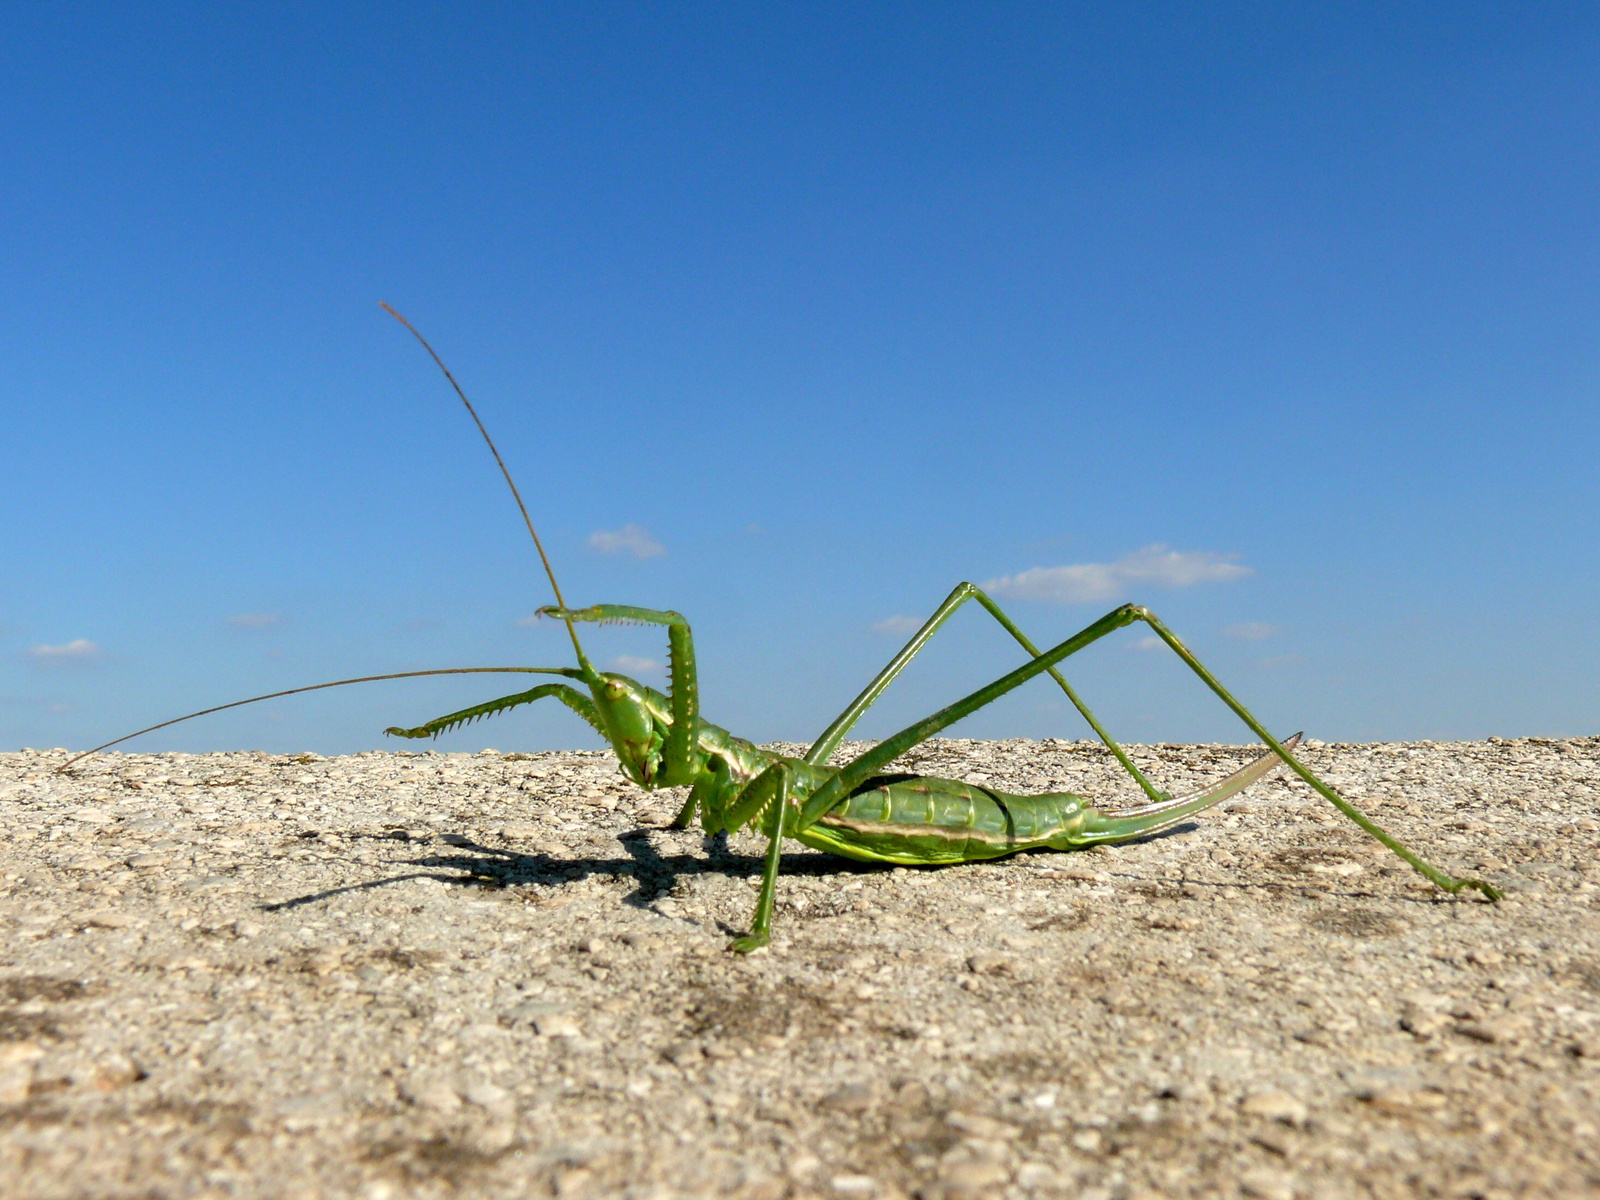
[392,975]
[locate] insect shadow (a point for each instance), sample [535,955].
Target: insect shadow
[655,874]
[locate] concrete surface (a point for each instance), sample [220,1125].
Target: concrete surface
[394,975]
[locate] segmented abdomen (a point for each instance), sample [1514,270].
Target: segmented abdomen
[919,819]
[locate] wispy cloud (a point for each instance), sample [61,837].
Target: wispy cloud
[1147,643]
[80,650]
[1086,583]
[628,662]
[256,620]
[630,539]
[897,626]
[1274,661]
[1250,631]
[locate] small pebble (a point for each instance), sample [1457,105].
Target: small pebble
[1275,1106]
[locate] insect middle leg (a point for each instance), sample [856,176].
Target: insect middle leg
[770,790]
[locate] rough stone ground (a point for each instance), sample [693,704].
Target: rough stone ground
[395,975]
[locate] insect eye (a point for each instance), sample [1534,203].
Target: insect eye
[613,688]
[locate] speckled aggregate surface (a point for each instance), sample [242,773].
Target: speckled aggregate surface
[392,975]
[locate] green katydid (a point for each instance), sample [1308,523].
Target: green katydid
[854,810]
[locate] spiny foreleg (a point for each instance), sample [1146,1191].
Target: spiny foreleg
[571,697]
[678,759]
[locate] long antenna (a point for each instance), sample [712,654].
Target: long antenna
[317,687]
[527,520]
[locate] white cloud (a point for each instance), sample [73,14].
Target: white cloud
[1273,661]
[1086,583]
[627,662]
[1250,631]
[76,651]
[255,620]
[1147,643]
[897,626]
[630,539]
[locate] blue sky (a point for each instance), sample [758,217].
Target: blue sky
[1282,320]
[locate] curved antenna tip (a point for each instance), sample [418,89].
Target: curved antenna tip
[538,545]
